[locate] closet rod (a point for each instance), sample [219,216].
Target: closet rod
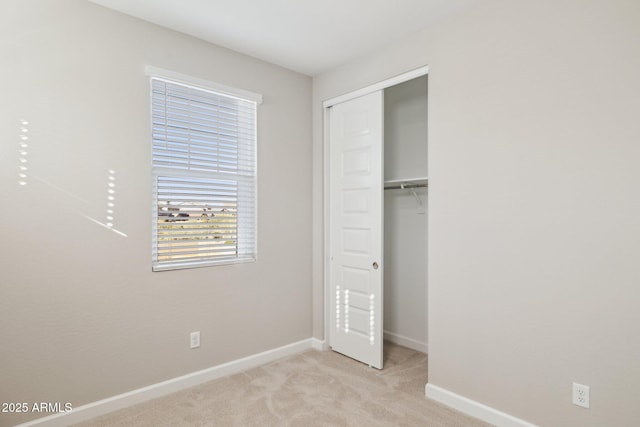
[404,186]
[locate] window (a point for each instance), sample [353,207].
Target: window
[204,173]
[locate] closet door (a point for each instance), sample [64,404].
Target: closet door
[356,209]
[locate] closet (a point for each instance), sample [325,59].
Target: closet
[405,214]
[377,219]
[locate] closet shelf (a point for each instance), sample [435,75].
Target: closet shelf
[406,183]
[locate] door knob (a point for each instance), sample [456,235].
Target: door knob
[375,265]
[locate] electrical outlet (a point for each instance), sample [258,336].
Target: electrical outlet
[581,395]
[195,339]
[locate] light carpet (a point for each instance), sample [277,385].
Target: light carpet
[309,389]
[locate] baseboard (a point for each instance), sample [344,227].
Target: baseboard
[405,341]
[473,408]
[319,345]
[101,407]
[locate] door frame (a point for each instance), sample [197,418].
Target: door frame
[326,105]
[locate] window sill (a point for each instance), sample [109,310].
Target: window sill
[201,264]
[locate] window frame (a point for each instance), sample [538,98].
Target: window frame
[157,172]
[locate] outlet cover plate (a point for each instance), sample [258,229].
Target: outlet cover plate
[195,339]
[581,395]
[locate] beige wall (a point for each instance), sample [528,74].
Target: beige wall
[82,317]
[534,214]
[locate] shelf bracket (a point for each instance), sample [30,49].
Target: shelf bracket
[415,195]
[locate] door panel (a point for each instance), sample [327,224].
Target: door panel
[356,207]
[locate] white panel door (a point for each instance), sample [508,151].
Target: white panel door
[356,209]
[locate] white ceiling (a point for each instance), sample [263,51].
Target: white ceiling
[308,36]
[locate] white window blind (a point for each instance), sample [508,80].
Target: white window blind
[204,176]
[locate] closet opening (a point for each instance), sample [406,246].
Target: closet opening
[405,214]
